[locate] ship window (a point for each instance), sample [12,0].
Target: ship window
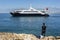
[43,11]
[18,11]
[30,11]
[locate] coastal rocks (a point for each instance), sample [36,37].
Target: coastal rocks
[14,36]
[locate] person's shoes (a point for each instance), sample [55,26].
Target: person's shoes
[41,36]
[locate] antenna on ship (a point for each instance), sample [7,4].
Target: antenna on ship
[30,6]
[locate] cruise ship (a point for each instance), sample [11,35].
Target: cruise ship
[30,12]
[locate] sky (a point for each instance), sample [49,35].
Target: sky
[6,5]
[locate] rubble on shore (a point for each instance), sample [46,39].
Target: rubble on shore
[15,36]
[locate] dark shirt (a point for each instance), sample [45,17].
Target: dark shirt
[43,27]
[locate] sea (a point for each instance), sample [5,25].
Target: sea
[30,25]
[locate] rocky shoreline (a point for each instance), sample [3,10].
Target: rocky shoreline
[15,36]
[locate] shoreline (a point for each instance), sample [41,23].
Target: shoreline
[23,36]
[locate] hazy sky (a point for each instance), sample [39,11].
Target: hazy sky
[5,5]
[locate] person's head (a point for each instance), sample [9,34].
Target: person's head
[43,23]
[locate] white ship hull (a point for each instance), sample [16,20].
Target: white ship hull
[18,14]
[29,12]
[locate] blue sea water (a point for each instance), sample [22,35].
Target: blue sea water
[30,25]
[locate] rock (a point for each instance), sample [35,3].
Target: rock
[51,38]
[57,37]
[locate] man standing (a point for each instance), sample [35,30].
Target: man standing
[43,29]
